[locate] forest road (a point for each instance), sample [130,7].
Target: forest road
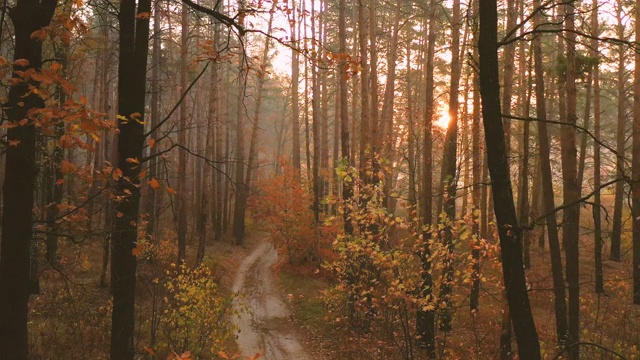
[263,317]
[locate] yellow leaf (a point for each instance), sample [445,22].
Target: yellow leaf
[154,183]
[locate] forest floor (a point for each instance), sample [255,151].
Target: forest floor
[264,320]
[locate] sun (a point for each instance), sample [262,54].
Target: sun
[443,120]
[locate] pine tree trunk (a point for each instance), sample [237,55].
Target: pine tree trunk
[507,222]
[547,190]
[18,189]
[425,318]
[616,229]
[182,139]
[597,216]
[635,168]
[132,69]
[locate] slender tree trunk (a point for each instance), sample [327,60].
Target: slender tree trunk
[507,222]
[256,117]
[347,186]
[597,217]
[547,190]
[425,318]
[132,69]
[449,168]
[386,120]
[616,230]
[295,74]
[476,193]
[315,106]
[182,139]
[571,191]
[635,167]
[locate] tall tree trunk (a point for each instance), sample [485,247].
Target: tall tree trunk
[507,222]
[295,74]
[571,191]
[241,190]
[476,193]
[547,189]
[425,318]
[616,230]
[315,106]
[449,167]
[132,69]
[386,120]
[182,138]
[151,205]
[256,116]
[597,217]
[18,189]
[635,167]
[507,87]
[347,186]
[365,118]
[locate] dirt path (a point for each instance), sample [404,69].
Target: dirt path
[264,323]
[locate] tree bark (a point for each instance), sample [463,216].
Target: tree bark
[597,216]
[507,222]
[132,69]
[635,167]
[616,229]
[425,318]
[449,168]
[18,189]
[182,139]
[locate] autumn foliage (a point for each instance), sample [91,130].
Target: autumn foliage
[284,205]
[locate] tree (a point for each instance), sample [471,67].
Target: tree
[507,221]
[132,69]
[635,167]
[425,318]
[28,16]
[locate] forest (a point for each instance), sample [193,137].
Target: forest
[319,179]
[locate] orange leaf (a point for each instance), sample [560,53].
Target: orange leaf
[14,142]
[152,143]
[170,190]
[56,66]
[133,161]
[39,35]
[154,183]
[143,15]
[66,167]
[119,214]
[60,182]
[222,355]
[117,174]
[135,252]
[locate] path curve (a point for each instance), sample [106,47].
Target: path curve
[263,317]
